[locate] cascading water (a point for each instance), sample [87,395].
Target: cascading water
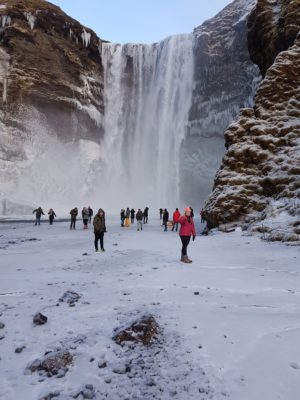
[148,91]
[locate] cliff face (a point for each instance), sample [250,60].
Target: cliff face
[258,182]
[54,65]
[51,90]
[273,26]
[225,80]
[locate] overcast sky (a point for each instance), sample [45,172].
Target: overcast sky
[144,21]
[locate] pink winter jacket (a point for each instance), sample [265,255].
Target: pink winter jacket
[187,228]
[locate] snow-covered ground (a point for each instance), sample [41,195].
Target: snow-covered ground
[230,321]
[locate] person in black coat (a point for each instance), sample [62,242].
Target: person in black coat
[132,214]
[165,219]
[91,213]
[161,211]
[122,215]
[146,215]
[51,214]
[38,213]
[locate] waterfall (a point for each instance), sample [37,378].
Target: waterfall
[148,92]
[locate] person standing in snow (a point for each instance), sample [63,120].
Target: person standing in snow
[146,211]
[165,219]
[38,213]
[161,213]
[122,214]
[192,211]
[99,229]
[74,213]
[127,217]
[132,214]
[51,214]
[85,217]
[91,213]
[139,219]
[187,230]
[176,216]
[201,215]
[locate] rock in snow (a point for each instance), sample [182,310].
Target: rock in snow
[70,297]
[39,319]
[142,331]
[53,364]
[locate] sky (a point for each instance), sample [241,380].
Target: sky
[140,21]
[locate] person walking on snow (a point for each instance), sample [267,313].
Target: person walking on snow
[91,213]
[132,214]
[51,214]
[176,216]
[146,211]
[187,230]
[122,214]
[85,217]
[74,213]
[38,213]
[99,229]
[139,219]
[165,219]
[192,211]
[161,213]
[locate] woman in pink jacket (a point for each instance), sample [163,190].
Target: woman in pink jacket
[186,231]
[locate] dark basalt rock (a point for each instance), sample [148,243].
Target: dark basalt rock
[39,319]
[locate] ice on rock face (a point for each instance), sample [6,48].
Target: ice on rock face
[86,38]
[5,20]
[30,19]
[4,67]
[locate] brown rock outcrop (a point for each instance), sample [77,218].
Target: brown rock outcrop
[260,176]
[52,65]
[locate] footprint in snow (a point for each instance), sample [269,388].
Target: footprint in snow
[294,365]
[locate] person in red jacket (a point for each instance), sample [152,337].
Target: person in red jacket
[186,231]
[176,216]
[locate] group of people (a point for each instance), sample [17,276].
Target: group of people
[186,222]
[128,216]
[165,217]
[39,212]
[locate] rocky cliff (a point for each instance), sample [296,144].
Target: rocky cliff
[51,92]
[225,80]
[258,183]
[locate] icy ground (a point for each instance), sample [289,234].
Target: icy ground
[230,321]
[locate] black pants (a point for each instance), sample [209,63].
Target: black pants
[175,225]
[185,242]
[101,237]
[51,219]
[73,223]
[37,220]
[132,220]
[146,219]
